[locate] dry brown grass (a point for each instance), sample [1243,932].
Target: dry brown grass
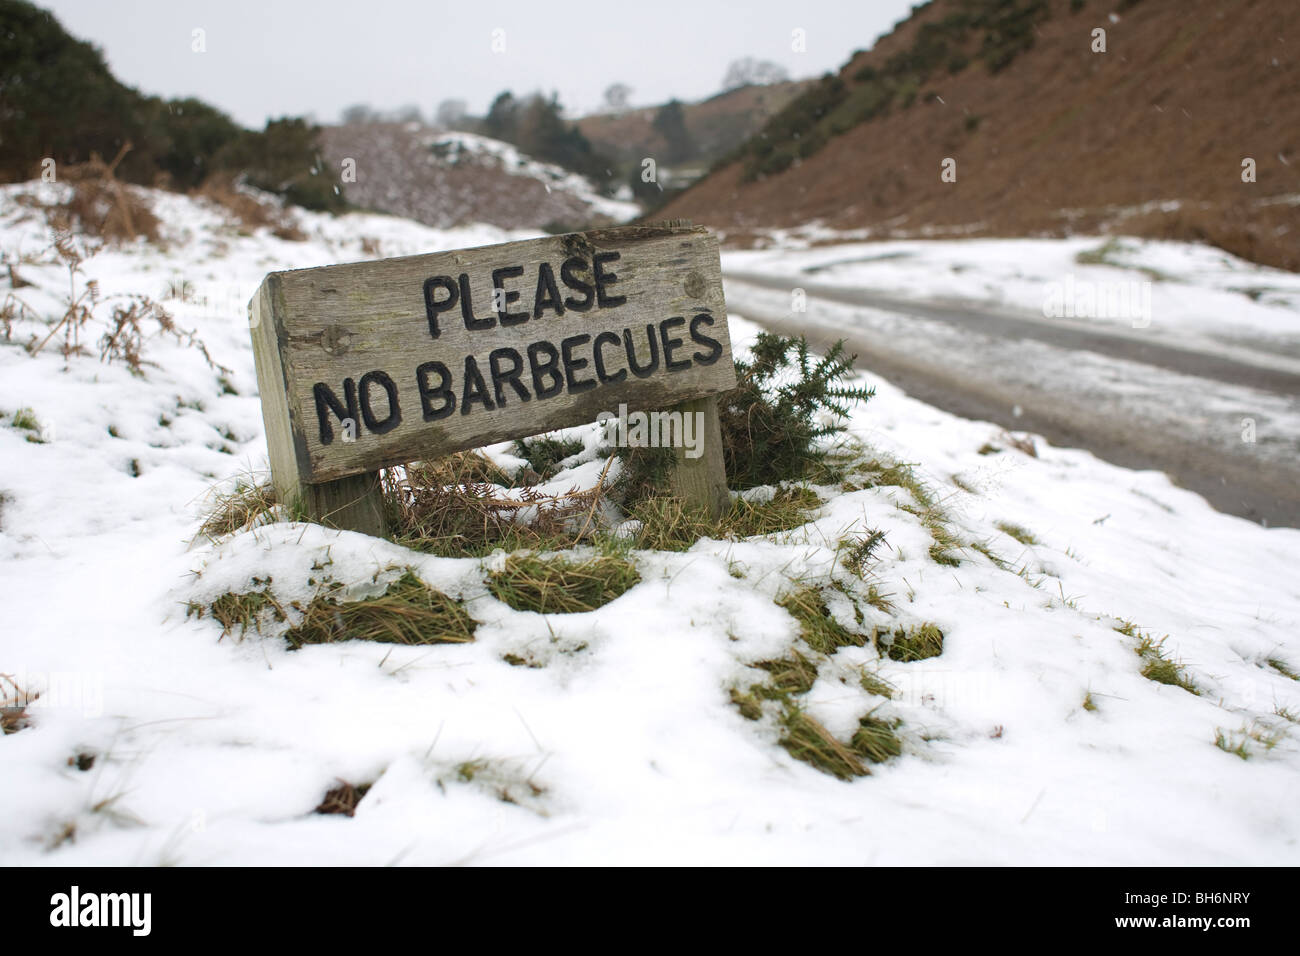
[126,329]
[13,705]
[100,205]
[251,212]
[247,504]
[1257,233]
[456,507]
[343,799]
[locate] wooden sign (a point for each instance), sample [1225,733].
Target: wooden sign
[371,364]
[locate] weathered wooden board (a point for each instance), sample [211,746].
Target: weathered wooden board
[378,363]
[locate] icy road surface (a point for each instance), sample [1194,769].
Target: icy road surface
[1205,387]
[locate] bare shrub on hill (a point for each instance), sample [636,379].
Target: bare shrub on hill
[248,209]
[100,205]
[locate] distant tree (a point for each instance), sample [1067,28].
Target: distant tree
[502,118]
[617,96]
[58,99]
[542,132]
[185,137]
[356,114]
[749,71]
[670,123]
[450,113]
[284,159]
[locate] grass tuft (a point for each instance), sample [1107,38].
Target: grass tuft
[669,524]
[247,609]
[1283,668]
[879,601]
[787,677]
[25,419]
[13,705]
[788,508]
[561,585]
[878,472]
[875,684]
[817,627]
[804,738]
[1239,743]
[909,644]
[875,739]
[1156,666]
[408,612]
[1017,532]
[245,506]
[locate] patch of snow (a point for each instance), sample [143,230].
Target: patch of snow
[621,744]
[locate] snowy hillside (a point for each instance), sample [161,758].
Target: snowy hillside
[446,178]
[1073,663]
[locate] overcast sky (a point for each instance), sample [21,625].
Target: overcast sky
[267,58]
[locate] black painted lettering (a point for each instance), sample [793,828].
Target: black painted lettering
[699,338]
[642,371]
[549,367]
[610,338]
[327,402]
[506,297]
[500,376]
[548,293]
[577,284]
[572,365]
[605,279]
[467,309]
[384,381]
[428,393]
[432,306]
[673,343]
[474,389]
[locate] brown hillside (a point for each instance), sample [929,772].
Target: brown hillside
[717,124]
[1064,139]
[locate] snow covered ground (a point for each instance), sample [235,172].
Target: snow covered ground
[1195,293]
[623,745]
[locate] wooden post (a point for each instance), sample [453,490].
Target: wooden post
[354,502]
[702,482]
